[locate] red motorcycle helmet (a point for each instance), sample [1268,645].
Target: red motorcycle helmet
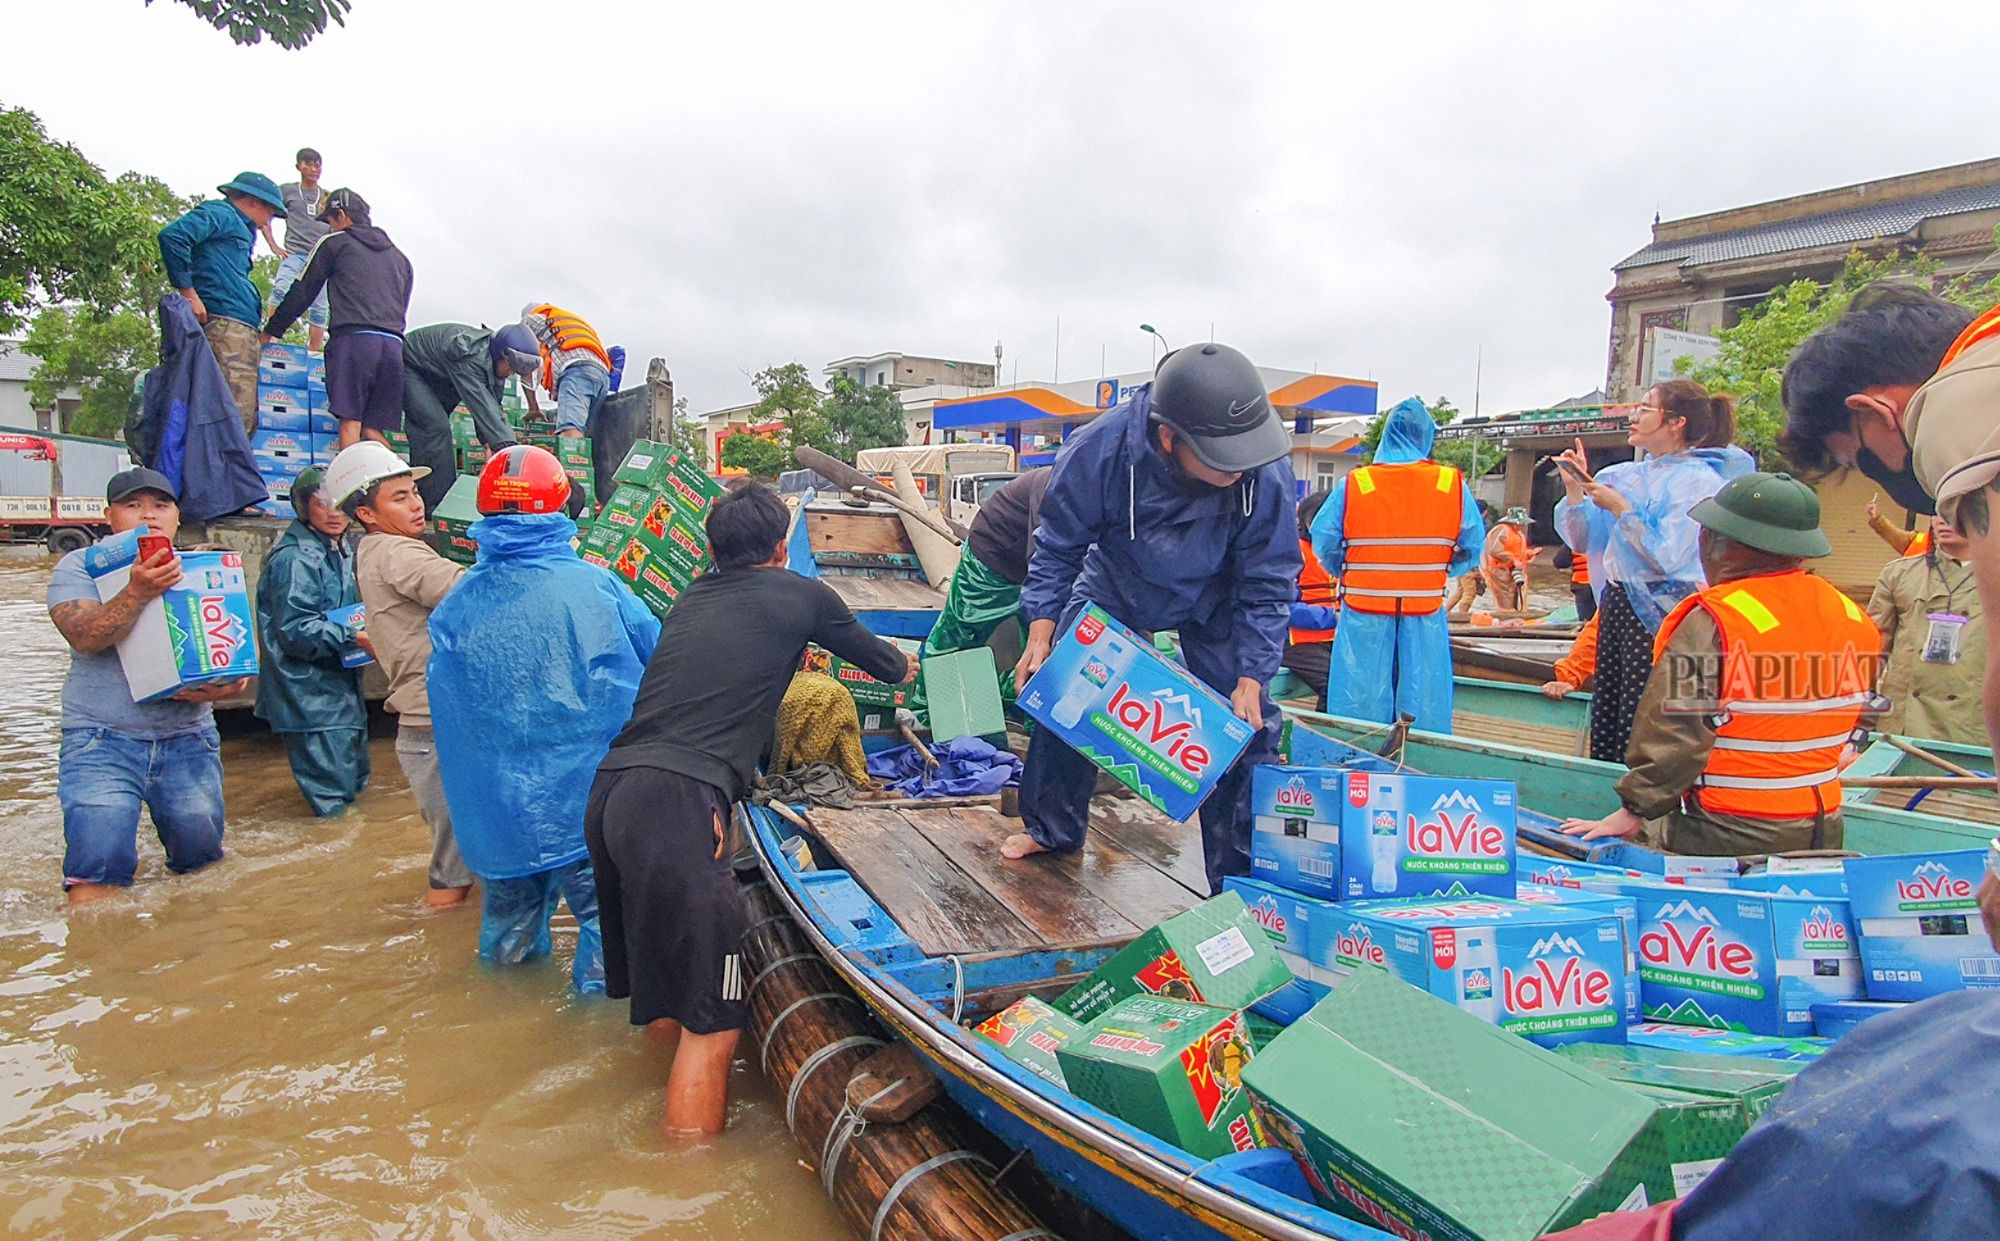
[522,478]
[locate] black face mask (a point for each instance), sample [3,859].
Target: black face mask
[1901,485]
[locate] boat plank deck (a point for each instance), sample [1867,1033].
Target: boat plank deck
[938,872]
[868,594]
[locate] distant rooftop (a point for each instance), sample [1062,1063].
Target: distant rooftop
[15,365]
[1884,210]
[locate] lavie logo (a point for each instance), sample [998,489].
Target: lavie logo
[1296,795]
[1933,881]
[221,630]
[1821,927]
[1557,979]
[1172,738]
[1697,947]
[1463,837]
[1356,944]
[1268,916]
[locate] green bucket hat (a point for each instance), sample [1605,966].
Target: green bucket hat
[257,186]
[1773,513]
[1516,516]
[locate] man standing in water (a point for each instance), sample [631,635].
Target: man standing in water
[672,920]
[118,754]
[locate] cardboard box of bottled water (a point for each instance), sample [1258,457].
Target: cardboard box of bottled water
[1297,926]
[1710,1041]
[1296,815]
[199,632]
[1748,961]
[1534,870]
[1407,836]
[1625,907]
[1919,922]
[1550,974]
[1144,719]
[355,617]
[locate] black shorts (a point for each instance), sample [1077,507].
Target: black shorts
[671,914]
[364,379]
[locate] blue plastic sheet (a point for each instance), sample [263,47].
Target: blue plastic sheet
[967,767]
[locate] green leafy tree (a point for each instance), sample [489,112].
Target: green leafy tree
[1751,362]
[1442,412]
[688,433]
[63,235]
[852,418]
[291,24]
[760,456]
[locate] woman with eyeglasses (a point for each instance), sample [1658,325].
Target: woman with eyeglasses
[1632,521]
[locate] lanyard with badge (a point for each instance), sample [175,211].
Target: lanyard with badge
[1944,643]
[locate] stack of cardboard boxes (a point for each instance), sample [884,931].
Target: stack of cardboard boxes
[295,429]
[651,529]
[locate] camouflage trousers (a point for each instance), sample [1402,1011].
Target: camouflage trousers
[236,350]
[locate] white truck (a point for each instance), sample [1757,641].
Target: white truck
[958,478]
[52,487]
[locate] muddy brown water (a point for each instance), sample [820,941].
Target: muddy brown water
[286,1043]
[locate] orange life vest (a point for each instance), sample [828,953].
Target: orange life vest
[1985,327]
[571,332]
[1579,569]
[1798,662]
[1400,526]
[1315,587]
[1920,544]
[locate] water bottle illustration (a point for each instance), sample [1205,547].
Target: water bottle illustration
[1093,679]
[1478,973]
[1385,843]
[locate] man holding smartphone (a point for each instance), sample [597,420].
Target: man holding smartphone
[118,754]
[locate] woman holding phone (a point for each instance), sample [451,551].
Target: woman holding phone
[1632,521]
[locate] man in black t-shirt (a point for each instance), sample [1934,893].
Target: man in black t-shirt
[672,920]
[986,587]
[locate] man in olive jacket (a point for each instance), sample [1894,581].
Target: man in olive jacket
[451,364]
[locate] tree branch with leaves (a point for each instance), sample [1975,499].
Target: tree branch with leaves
[291,24]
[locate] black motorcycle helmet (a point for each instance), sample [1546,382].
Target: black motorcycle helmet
[1212,396]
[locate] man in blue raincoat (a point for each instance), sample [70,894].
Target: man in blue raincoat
[535,660]
[305,694]
[1396,532]
[1174,510]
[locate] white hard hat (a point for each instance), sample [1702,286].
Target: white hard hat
[358,468]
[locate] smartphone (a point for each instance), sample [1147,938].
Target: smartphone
[151,545]
[1569,468]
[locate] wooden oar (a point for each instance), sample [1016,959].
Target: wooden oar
[1917,751]
[862,485]
[1917,782]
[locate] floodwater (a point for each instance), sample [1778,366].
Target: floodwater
[285,1042]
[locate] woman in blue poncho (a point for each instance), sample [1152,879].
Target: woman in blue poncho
[1632,521]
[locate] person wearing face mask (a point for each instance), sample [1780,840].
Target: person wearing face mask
[1758,684]
[1632,521]
[1173,510]
[1396,531]
[1926,604]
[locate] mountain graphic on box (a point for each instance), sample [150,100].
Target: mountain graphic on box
[1691,1013]
[1126,774]
[1689,910]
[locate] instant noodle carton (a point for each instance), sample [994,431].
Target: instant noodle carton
[663,468]
[1169,1067]
[874,702]
[1713,1042]
[1144,719]
[1212,954]
[201,631]
[1296,816]
[1403,836]
[1423,1121]
[1550,974]
[1748,961]
[451,522]
[1919,921]
[1030,1033]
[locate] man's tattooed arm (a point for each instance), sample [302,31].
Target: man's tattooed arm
[93,627]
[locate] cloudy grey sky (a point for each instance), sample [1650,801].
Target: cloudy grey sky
[1379,190]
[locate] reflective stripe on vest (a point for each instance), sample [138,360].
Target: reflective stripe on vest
[1399,528]
[571,332]
[1919,545]
[1316,587]
[1797,666]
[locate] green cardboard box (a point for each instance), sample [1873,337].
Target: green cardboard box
[1418,1118]
[1030,1033]
[870,695]
[656,581]
[463,434]
[1169,1067]
[1212,954]
[663,468]
[454,517]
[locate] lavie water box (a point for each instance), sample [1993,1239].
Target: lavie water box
[1146,720]
[1919,922]
[199,632]
[355,617]
[1404,836]
[1746,961]
[1548,973]
[1625,907]
[1296,815]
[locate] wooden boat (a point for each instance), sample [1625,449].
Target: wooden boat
[863,552]
[1498,655]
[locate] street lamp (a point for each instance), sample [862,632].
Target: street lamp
[1154,332]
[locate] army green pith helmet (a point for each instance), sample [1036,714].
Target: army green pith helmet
[1774,513]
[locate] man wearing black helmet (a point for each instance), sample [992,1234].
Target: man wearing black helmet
[451,364]
[1174,510]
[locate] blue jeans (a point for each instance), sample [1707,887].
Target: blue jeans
[514,921]
[104,777]
[579,391]
[290,268]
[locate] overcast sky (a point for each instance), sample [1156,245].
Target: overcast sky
[1380,191]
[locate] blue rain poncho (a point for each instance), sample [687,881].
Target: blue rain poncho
[1652,550]
[535,659]
[1385,665]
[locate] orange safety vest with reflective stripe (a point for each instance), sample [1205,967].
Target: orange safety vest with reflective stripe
[1985,327]
[1798,664]
[1920,544]
[571,332]
[1315,587]
[1400,526]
